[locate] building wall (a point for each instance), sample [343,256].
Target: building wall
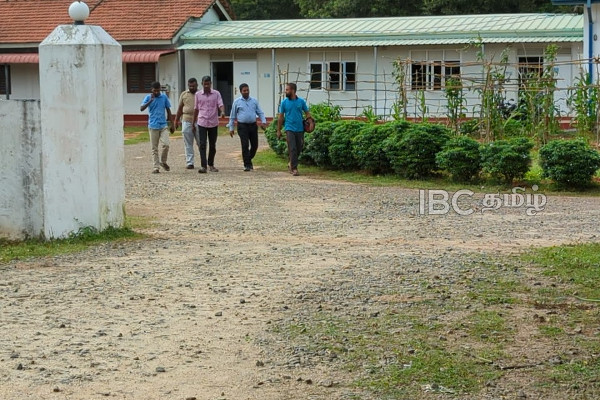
[168,75]
[376,85]
[25,81]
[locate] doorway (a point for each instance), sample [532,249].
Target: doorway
[228,75]
[222,76]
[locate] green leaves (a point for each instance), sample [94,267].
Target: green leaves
[460,156]
[507,159]
[274,9]
[570,163]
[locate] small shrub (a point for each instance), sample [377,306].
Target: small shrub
[325,112]
[570,163]
[469,128]
[513,128]
[507,159]
[316,144]
[413,155]
[368,145]
[278,146]
[340,145]
[460,157]
[369,114]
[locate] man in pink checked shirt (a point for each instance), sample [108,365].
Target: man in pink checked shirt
[208,107]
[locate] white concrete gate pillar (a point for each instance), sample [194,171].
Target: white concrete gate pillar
[81,86]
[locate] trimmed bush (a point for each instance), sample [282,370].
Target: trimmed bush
[340,146]
[570,163]
[316,146]
[507,159]
[461,158]
[412,154]
[368,146]
[278,146]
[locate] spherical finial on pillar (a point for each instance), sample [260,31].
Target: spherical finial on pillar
[79,11]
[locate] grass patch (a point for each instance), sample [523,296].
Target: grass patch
[488,326]
[499,291]
[434,368]
[269,161]
[575,266]
[139,134]
[84,238]
[551,331]
[398,354]
[580,376]
[136,134]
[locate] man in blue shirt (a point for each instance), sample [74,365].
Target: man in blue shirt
[157,103]
[244,110]
[291,110]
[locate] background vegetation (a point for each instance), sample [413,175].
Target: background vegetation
[272,9]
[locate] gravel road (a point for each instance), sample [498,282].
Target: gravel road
[183,313]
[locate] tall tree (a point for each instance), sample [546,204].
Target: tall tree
[356,8]
[265,9]
[456,7]
[278,9]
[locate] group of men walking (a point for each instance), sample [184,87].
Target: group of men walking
[198,114]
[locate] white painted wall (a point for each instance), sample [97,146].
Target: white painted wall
[25,80]
[20,163]
[294,64]
[210,16]
[168,74]
[82,131]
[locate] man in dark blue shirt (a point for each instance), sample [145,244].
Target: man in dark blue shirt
[244,110]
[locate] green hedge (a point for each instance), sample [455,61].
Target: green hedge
[461,158]
[278,146]
[340,147]
[507,159]
[570,163]
[368,147]
[316,144]
[412,153]
[418,150]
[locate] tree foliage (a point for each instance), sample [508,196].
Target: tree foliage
[276,9]
[265,9]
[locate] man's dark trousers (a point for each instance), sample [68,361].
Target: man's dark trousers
[249,138]
[295,142]
[212,134]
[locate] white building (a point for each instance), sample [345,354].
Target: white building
[350,61]
[149,32]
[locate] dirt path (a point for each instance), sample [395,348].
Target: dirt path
[183,314]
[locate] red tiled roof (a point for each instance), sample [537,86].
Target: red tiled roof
[19,58]
[146,56]
[30,21]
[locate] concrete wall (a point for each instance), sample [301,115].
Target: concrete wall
[20,163]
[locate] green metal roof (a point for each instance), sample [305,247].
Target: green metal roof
[363,32]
